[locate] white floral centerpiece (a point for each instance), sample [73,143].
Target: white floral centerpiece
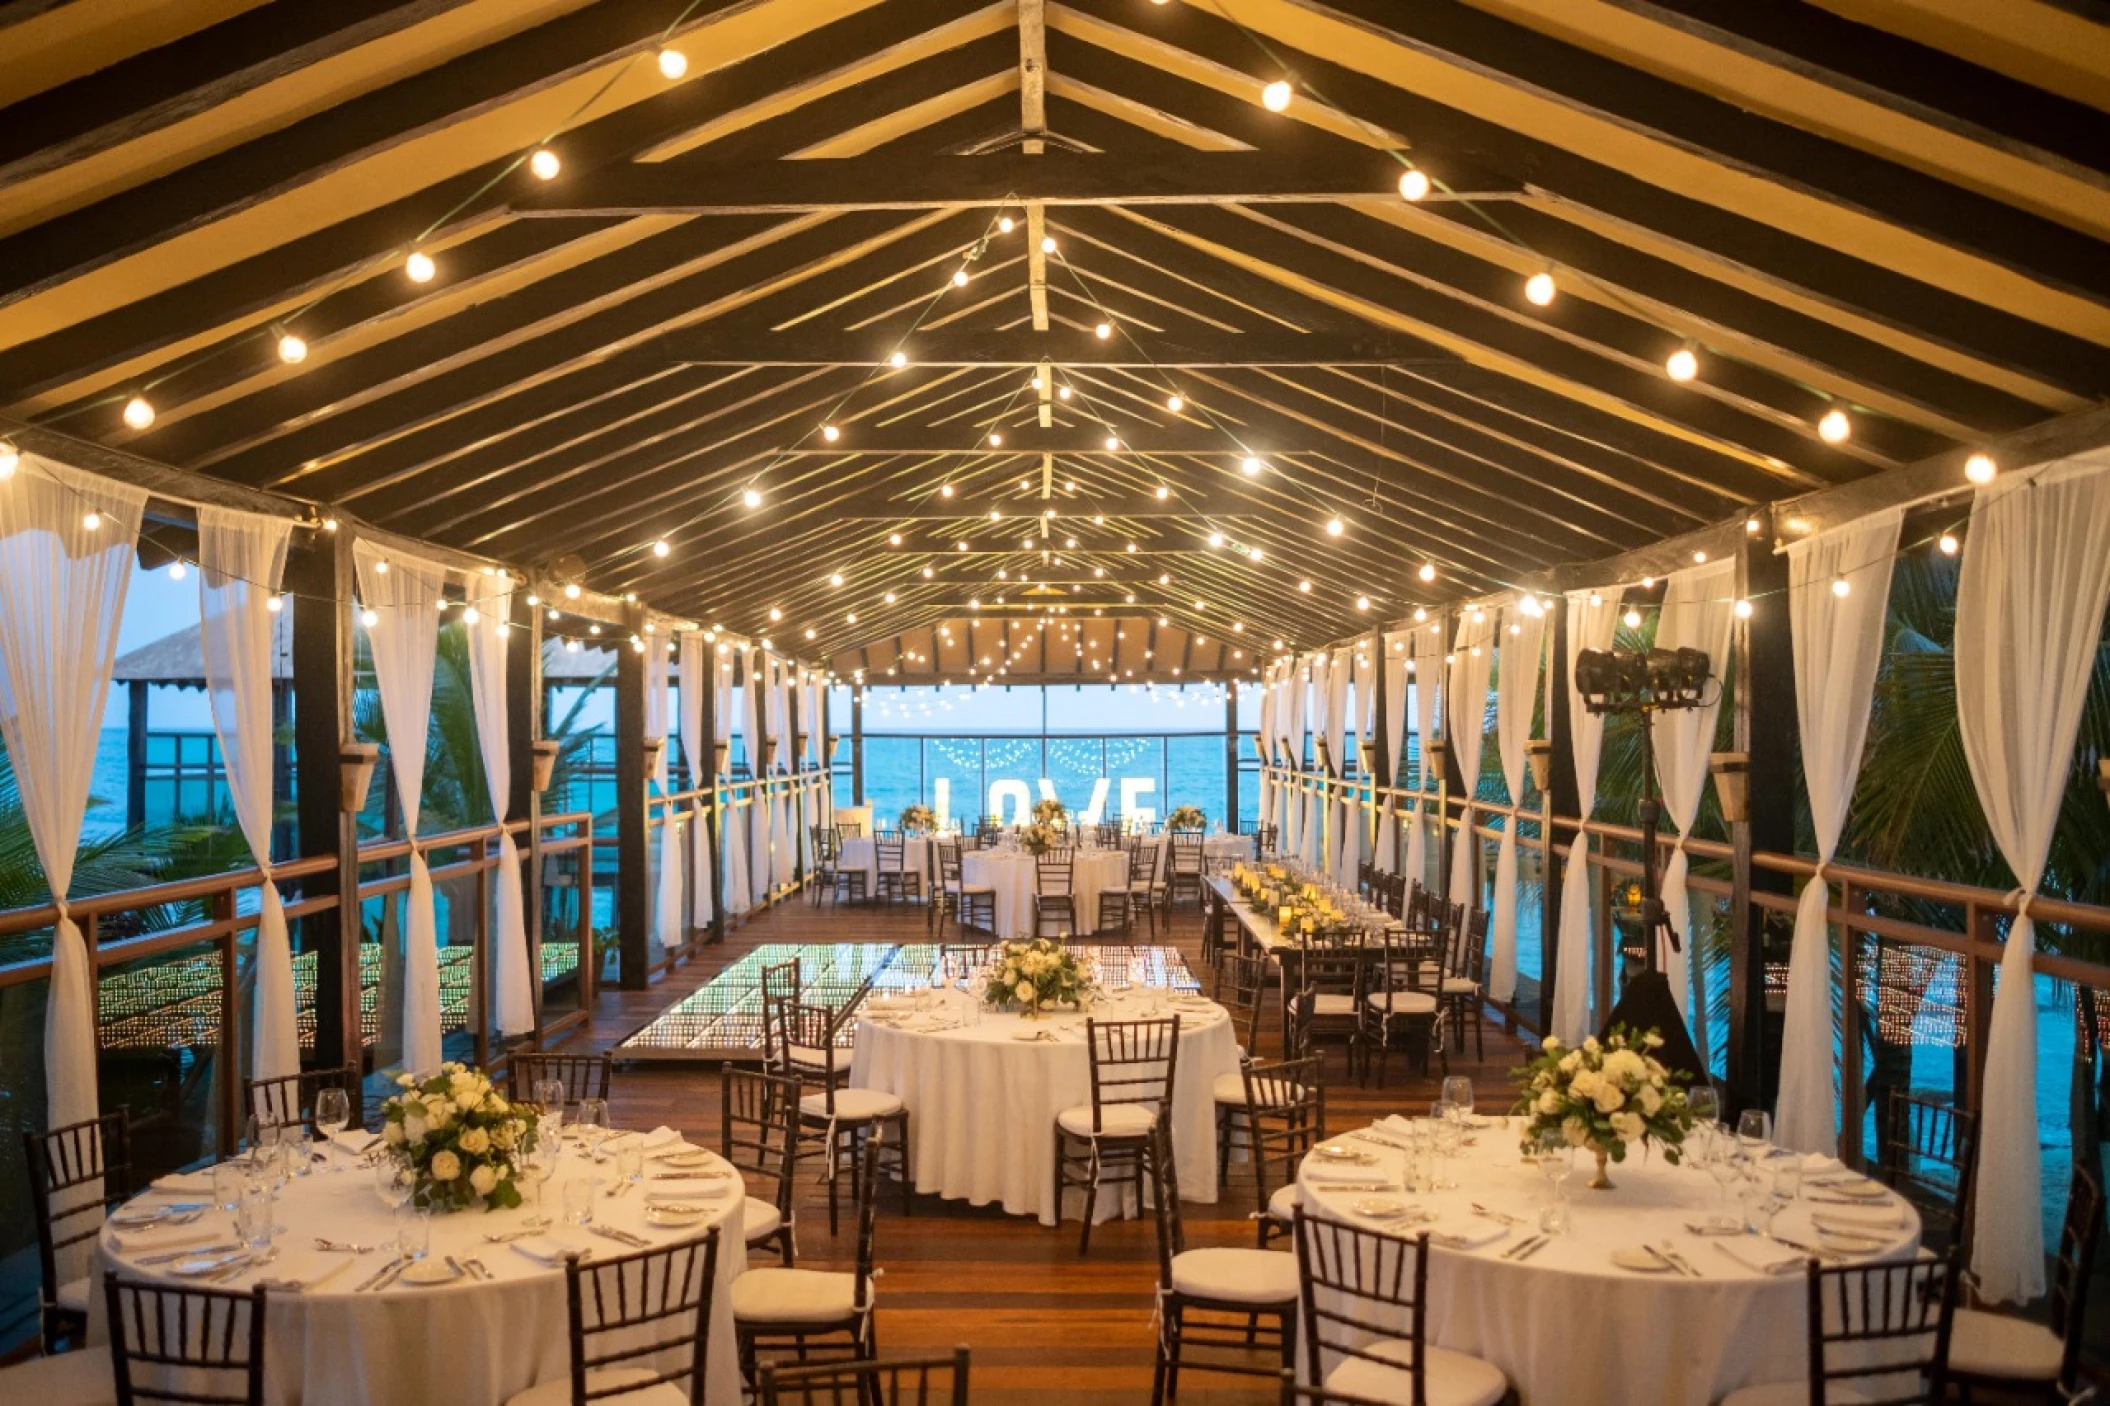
[1039,837]
[1051,813]
[457,1138]
[918,819]
[1186,818]
[1606,1095]
[1036,976]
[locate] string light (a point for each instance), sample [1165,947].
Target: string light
[1276,95]
[544,164]
[1252,466]
[1743,609]
[369,619]
[1063,393]
[1632,619]
[673,63]
[571,590]
[1047,244]
[1421,613]
[138,412]
[1427,572]
[1948,544]
[1980,468]
[831,433]
[898,360]
[752,498]
[10,457]
[1335,527]
[959,278]
[1175,404]
[1103,331]
[1216,539]
[893,539]
[1004,224]
[1304,587]
[176,571]
[836,579]
[1699,558]
[1538,289]
[470,615]
[1682,364]
[419,266]
[292,350]
[1414,184]
[1834,427]
[995,438]
[662,547]
[775,615]
[1363,603]
[1841,587]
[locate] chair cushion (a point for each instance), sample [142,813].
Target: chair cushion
[1237,1276]
[759,1220]
[976,889]
[794,1296]
[1791,1394]
[1403,1002]
[73,1295]
[852,1105]
[1985,1344]
[1327,1003]
[1272,1093]
[1460,986]
[1115,1120]
[79,1378]
[1453,1378]
[558,1391]
[809,1058]
[1284,1203]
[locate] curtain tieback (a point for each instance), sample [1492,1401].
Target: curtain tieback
[2023,899]
[1822,874]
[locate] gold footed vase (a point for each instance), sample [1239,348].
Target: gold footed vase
[1602,1181]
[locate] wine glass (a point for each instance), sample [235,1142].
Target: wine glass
[392,1182]
[1754,1128]
[1443,1144]
[593,1122]
[1556,1161]
[333,1112]
[1704,1104]
[1725,1164]
[1458,1093]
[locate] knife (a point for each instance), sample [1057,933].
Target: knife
[1523,1247]
[1543,1242]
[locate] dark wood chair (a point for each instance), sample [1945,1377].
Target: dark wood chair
[1109,1140]
[1928,1154]
[827,859]
[1399,1009]
[1870,1326]
[1338,978]
[1267,841]
[1294,1395]
[584,1076]
[759,1134]
[780,982]
[896,881]
[1352,1280]
[1183,875]
[289,1100]
[1241,986]
[1284,1118]
[1055,893]
[1143,877]
[2021,1357]
[1235,1300]
[1464,979]
[75,1173]
[969,905]
[640,1326]
[804,1309]
[200,1347]
[839,1118]
[908,1381]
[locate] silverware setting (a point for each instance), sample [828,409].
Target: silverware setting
[621,1237]
[344,1246]
[383,1277]
[243,1265]
[189,1252]
[1669,1255]
[1493,1215]
[476,1267]
[1525,1248]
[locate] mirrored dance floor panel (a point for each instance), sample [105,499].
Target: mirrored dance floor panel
[723,1018]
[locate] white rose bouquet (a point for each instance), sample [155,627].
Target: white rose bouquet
[918,818]
[1039,838]
[1036,975]
[1051,813]
[1186,818]
[458,1139]
[1606,1096]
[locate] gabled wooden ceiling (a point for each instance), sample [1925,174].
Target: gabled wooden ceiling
[1885,205]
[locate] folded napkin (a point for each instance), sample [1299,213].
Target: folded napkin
[1456,1233]
[355,1140]
[165,1237]
[544,1250]
[1816,1164]
[1880,1216]
[1761,1257]
[184,1183]
[1323,1174]
[661,1138]
[709,1189]
[1396,1125]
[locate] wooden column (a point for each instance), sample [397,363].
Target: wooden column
[857,744]
[136,754]
[633,874]
[1762,660]
[319,576]
[1231,756]
[1559,798]
[523,726]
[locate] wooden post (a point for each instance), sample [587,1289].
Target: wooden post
[1762,659]
[136,754]
[1231,756]
[857,744]
[319,577]
[1559,798]
[633,896]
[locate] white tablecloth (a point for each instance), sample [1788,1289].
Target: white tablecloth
[1012,875]
[860,816]
[864,854]
[982,1103]
[467,1342]
[1214,848]
[1568,1325]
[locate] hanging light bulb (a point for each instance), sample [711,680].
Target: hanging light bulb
[1304,587]
[1005,224]
[1062,393]
[996,438]
[1980,468]
[959,278]
[470,615]
[775,615]
[831,433]
[1103,331]
[1276,95]
[1251,465]
[1362,602]
[10,457]
[898,360]
[544,164]
[1743,610]
[752,498]
[1414,184]
[1047,244]
[369,619]
[893,539]
[177,571]
[1427,572]
[1256,555]
[1421,613]
[1948,544]
[92,521]
[419,266]
[1841,587]
[1216,539]
[662,547]
[672,63]
[1113,443]
[1538,288]
[139,412]
[1833,427]
[1174,403]
[571,590]
[1335,527]
[1682,364]
[1632,619]
[292,350]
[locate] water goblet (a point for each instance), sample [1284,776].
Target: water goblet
[578,1200]
[1443,1141]
[1725,1164]
[333,1112]
[1704,1105]
[1754,1129]
[228,1179]
[392,1182]
[630,1160]
[413,1232]
[253,1217]
[1458,1093]
[1556,1161]
[593,1122]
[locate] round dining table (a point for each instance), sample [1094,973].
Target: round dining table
[1012,875]
[983,1089]
[863,853]
[1216,849]
[1632,1301]
[473,1338]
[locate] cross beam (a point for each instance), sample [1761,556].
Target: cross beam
[914,181]
[1029,440]
[1020,510]
[751,346]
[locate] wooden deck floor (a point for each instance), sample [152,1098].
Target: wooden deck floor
[1045,1327]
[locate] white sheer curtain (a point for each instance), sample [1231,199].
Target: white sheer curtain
[513,1002]
[667,917]
[2029,620]
[1697,613]
[1299,728]
[404,593]
[1838,644]
[62,592]
[1269,691]
[696,683]
[1425,660]
[752,695]
[1516,694]
[1394,724]
[1593,621]
[732,823]
[1346,853]
[241,558]
[780,852]
[1465,717]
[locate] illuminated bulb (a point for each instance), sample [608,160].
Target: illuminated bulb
[898,360]
[1062,393]
[893,539]
[1980,468]
[995,515]
[292,350]
[329,524]
[544,164]
[889,598]
[1743,610]
[1305,587]
[571,591]
[1216,539]
[836,579]
[1047,244]
[1752,526]
[1834,427]
[831,433]
[1103,331]
[1948,544]
[369,619]
[1841,587]
[470,614]
[775,615]
[1005,224]
[1131,549]
[1363,603]
[1175,404]
[92,521]
[995,438]
[752,498]
[672,63]
[1596,599]
[945,490]
[176,571]
[1251,466]
[1699,558]
[1421,613]
[9,458]
[1538,288]
[1257,554]
[419,266]
[138,413]
[1335,527]
[1163,493]
[1275,96]
[661,547]
[1427,572]
[1632,619]
[1113,442]
[1413,184]
[959,278]
[1682,364]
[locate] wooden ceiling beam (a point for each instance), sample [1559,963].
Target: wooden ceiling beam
[745,343]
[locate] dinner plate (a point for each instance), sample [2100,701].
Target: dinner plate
[1851,1242]
[1337,1152]
[204,1264]
[1639,1260]
[137,1216]
[1865,1190]
[1380,1207]
[428,1271]
[687,1157]
[677,1214]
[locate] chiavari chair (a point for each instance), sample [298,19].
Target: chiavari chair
[896,879]
[1285,1118]
[1399,1002]
[806,1309]
[1294,1395]
[1929,1155]
[1337,979]
[759,1135]
[1198,1290]
[827,861]
[780,982]
[1054,892]
[197,1347]
[639,1327]
[840,1117]
[583,1076]
[1464,977]
[1184,879]
[1109,1140]
[1364,1315]
[969,905]
[2017,1356]
[288,1101]
[1267,841]
[76,1172]
[1877,1332]
[1143,878]
[908,1381]
[1241,984]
